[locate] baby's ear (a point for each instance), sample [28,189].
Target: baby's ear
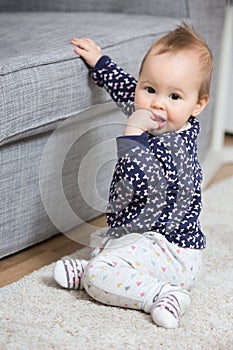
[200,105]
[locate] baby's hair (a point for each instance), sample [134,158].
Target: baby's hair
[185,38]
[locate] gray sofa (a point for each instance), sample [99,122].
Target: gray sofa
[52,115]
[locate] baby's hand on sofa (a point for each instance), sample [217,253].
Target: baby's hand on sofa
[88,50]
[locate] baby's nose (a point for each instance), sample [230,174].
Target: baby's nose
[157,102]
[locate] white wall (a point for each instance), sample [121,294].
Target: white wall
[223,113]
[229,84]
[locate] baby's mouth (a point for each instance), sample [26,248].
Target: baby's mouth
[160,120]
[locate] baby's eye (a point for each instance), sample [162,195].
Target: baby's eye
[174,96]
[150,90]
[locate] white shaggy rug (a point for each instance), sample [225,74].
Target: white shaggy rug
[36,314]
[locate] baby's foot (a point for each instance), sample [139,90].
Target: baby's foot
[169,307]
[68,273]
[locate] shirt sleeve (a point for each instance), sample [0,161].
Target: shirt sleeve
[137,177]
[119,84]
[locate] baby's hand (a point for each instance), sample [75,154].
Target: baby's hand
[139,122]
[88,50]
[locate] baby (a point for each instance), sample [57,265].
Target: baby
[152,252]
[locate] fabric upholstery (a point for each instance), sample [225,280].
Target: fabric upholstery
[178,8]
[44,81]
[23,217]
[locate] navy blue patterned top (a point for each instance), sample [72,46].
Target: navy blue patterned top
[156,184]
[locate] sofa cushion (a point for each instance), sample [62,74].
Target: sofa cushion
[178,8]
[43,81]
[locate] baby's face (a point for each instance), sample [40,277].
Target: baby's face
[168,86]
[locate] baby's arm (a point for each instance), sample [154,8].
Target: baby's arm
[106,73]
[140,121]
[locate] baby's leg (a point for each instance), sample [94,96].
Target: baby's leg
[124,274]
[68,273]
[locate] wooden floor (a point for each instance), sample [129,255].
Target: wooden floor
[16,266]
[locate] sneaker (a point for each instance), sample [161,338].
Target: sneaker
[169,307]
[68,273]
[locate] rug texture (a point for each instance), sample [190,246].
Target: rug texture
[37,314]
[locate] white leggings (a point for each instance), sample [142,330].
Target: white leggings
[129,271]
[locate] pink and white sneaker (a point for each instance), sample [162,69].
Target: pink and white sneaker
[68,273]
[169,307]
